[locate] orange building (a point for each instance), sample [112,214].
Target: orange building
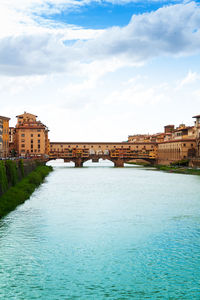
[4,137]
[31,136]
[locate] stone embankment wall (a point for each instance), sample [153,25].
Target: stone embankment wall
[194,163]
[18,180]
[11,172]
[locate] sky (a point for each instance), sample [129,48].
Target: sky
[100,70]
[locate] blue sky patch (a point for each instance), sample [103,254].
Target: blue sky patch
[104,15]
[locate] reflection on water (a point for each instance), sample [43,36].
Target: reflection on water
[104,233]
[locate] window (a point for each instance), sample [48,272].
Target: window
[23,134]
[38,141]
[23,145]
[38,146]
[39,135]
[31,135]
[38,130]
[31,141]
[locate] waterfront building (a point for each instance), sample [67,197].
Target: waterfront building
[179,144]
[11,141]
[183,132]
[4,137]
[168,129]
[197,131]
[174,144]
[11,134]
[31,136]
[175,150]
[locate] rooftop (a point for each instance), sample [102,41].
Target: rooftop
[4,118]
[25,113]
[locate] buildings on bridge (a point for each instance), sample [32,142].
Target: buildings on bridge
[63,150]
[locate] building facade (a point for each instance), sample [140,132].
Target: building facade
[11,141]
[176,150]
[174,144]
[31,136]
[197,129]
[4,137]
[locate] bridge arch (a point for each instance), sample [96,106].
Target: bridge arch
[100,162]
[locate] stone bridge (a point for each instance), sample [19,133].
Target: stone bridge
[118,153]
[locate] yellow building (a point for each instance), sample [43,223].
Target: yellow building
[4,137]
[31,136]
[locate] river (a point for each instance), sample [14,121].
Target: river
[104,233]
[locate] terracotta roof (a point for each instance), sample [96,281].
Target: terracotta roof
[27,114]
[183,128]
[5,118]
[178,141]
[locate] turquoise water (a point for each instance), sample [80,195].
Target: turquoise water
[104,233]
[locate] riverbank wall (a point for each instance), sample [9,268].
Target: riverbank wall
[194,163]
[18,180]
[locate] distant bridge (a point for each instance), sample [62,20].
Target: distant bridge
[118,153]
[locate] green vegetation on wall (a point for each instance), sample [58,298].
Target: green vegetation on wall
[21,167]
[22,190]
[3,178]
[11,170]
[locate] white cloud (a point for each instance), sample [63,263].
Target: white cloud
[36,47]
[190,78]
[88,88]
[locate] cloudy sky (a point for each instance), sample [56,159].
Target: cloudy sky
[100,70]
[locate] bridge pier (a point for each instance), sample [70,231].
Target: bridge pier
[78,162]
[119,163]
